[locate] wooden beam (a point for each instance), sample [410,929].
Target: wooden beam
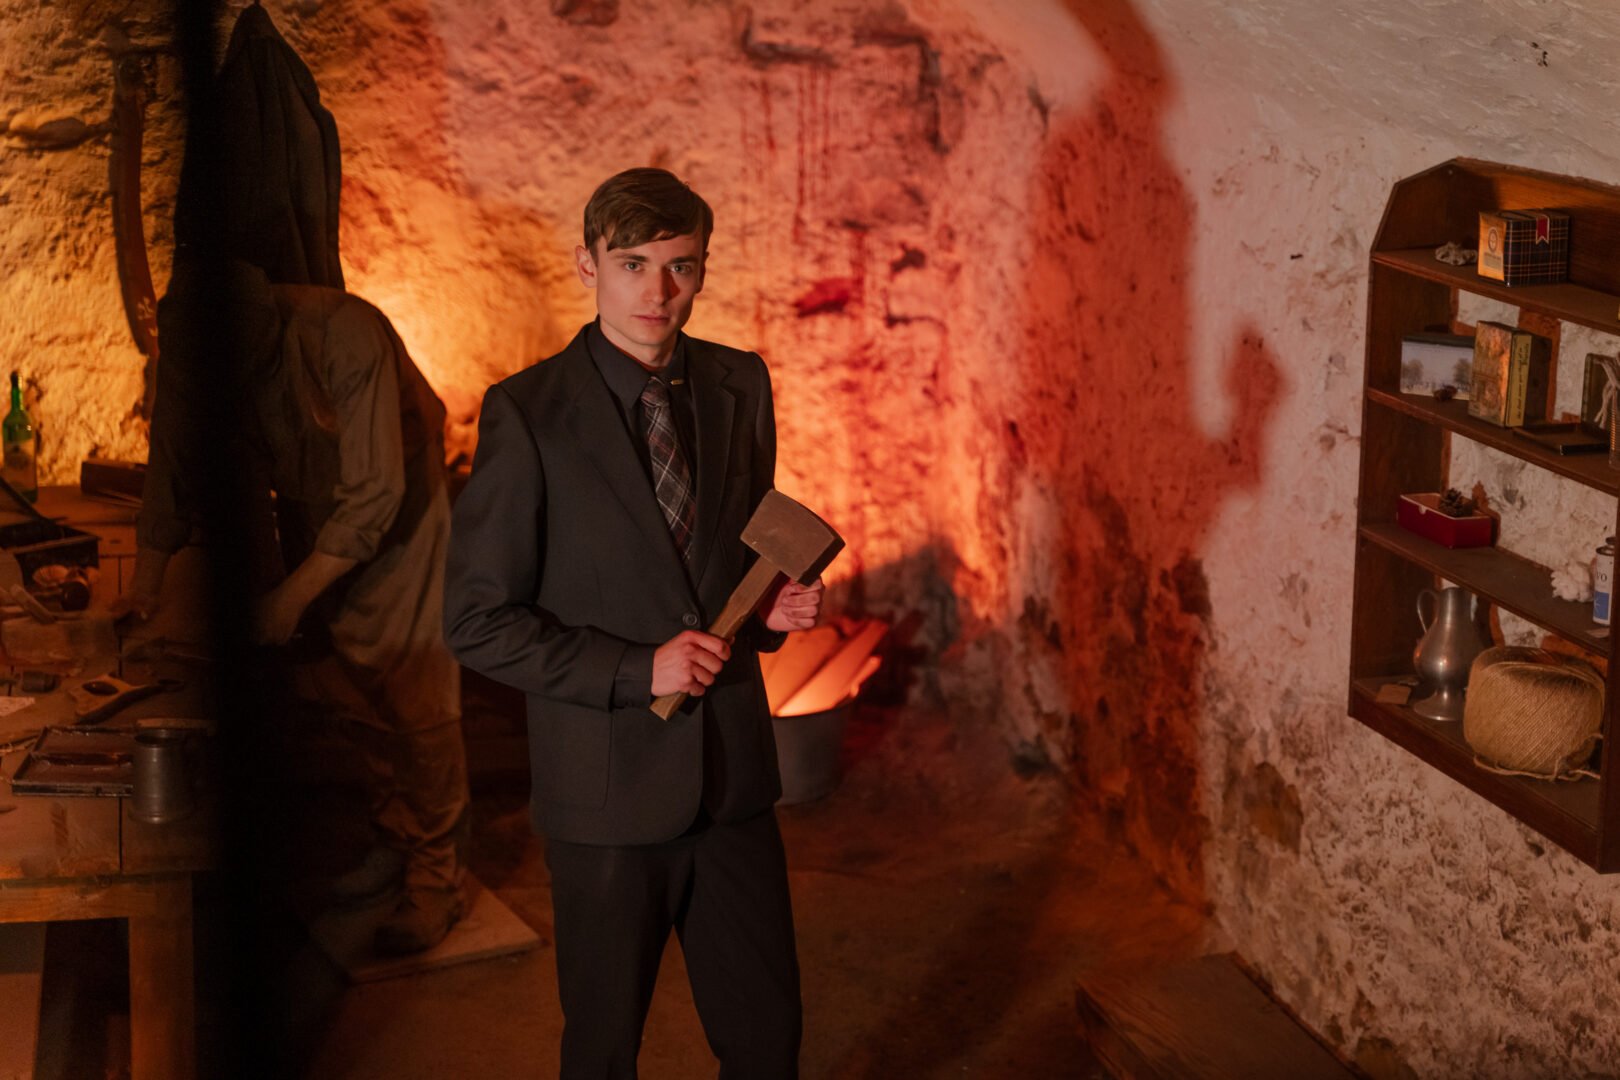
[22,970]
[162,999]
[1203,1019]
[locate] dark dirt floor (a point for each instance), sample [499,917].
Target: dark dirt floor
[945,908]
[945,904]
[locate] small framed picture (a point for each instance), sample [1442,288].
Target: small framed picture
[1430,362]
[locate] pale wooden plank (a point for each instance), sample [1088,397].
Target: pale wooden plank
[800,655]
[489,929]
[830,683]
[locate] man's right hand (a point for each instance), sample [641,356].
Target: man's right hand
[140,600]
[687,663]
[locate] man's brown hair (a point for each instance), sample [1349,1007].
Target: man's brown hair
[641,205]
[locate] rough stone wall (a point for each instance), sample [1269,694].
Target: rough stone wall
[64,326]
[1063,302]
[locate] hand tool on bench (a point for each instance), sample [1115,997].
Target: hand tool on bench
[96,699]
[791,541]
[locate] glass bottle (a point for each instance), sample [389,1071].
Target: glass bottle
[17,447]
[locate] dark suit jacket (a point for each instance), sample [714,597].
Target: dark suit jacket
[560,559]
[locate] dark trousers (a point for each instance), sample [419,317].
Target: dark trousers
[724,891]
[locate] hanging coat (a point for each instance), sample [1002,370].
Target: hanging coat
[281,167]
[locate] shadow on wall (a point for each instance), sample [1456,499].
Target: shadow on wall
[1113,444]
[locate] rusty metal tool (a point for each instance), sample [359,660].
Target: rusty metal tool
[129,225]
[791,541]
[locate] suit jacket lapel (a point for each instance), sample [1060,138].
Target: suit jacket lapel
[715,404]
[599,432]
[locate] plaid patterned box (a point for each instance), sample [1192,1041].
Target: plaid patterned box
[1524,247]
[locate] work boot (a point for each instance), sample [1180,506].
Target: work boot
[381,871]
[420,921]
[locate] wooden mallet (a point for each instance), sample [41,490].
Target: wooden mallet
[791,541]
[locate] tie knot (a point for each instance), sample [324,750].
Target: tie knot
[655,395]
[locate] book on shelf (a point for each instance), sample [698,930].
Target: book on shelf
[1532,367]
[1510,375]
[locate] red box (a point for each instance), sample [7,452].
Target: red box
[1420,513]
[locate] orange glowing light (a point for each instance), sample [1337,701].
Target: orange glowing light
[819,669]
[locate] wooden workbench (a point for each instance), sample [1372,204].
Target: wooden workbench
[87,858]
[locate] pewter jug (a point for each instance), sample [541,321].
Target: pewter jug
[162,783]
[1452,637]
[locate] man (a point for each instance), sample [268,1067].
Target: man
[348,434]
[602,525]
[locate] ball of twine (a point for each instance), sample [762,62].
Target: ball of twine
[1531,713]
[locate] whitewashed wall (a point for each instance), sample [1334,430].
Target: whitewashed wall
[1410,920]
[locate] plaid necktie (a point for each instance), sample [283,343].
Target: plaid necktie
[672,480]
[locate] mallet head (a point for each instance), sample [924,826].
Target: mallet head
[792,538]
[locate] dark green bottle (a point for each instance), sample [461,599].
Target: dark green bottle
[18,464]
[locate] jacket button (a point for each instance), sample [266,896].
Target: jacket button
[689,619]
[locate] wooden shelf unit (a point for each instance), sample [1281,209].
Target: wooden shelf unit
[1405,448]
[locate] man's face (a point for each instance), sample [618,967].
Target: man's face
[644,294]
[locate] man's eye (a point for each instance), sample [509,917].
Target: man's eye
[632,266]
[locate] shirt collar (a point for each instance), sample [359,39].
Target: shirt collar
[626,378]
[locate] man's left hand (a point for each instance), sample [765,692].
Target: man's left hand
[276,619]
[795,607]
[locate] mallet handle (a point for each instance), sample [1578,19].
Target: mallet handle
[745,598]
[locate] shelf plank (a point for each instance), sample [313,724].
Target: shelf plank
[1565,812]
[1593,470]
[1521,586]
[1566,301]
